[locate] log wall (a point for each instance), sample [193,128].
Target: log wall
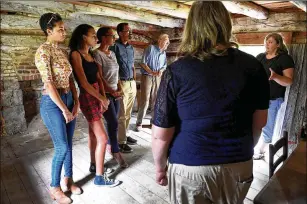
[21,36]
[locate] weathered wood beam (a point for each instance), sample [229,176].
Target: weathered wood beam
[128,14]
[67,9]
[31,32]
[277,22]
[139,44]
[37,7]
[181,10]
[25,25]
[171,8]
[98,20]
[72,20]
[258,38]
[246,8]
[300,4]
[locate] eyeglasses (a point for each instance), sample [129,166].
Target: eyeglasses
[129,31]
[111,35]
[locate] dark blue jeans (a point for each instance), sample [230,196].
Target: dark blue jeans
[111,117]
[61,135]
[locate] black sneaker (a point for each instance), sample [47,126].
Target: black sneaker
[131,141]
[93,169]
[124,148]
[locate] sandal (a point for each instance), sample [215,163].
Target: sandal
[120,160]
[69,185]
[58,195]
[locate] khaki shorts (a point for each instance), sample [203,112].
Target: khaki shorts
[218,184]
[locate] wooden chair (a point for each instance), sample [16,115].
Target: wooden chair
[273,148]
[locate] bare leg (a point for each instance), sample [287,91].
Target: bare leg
[101,139]
[92,143]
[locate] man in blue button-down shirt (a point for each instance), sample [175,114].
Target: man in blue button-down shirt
[153,64]
[125,58]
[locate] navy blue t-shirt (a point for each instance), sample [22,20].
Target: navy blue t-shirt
[211,103]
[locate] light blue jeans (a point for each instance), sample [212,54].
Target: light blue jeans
[268,129]
[61,135]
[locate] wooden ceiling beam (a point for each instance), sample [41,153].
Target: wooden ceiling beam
[27,25]
[170,8]
[277,22]
[71,19]
[98,21]
[131,15]
[246,8]
[300,4]
[181,10]
[66,9]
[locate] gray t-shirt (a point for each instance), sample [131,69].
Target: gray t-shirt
[109,67]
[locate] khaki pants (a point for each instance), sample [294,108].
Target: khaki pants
[218,184]
[149,89]
[126,105]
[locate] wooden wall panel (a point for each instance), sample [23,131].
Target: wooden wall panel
[258,38]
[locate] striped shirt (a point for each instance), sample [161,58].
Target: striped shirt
[109,67]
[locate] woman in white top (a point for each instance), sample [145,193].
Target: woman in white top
[108,67]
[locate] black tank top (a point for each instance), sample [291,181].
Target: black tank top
[90,70]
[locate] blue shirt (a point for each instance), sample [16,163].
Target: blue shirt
[125,59]
[154,59]
[211,104]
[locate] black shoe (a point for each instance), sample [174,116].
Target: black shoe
[124,148]
[131,141]
[93,168]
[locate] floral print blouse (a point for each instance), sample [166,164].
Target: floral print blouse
[53,65]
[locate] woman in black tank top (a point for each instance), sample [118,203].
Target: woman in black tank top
[93,101]
[90,70]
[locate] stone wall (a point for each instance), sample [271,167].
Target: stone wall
[20,80]
[12,108]
[21,83]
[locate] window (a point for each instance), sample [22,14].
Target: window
[253,50]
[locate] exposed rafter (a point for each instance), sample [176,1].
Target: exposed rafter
[132,15]
[170,8]
[72,19]
[277,22]
[300,4]
[68,8]
[246,8]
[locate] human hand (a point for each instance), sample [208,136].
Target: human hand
[273,75]
[75,109]
[161,177]
[104,103]
[160,73]
[68,116]
[115,94]
[155,73]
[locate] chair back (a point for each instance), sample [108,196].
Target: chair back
[273,148]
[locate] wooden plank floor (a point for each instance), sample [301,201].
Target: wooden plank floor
[26,179]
